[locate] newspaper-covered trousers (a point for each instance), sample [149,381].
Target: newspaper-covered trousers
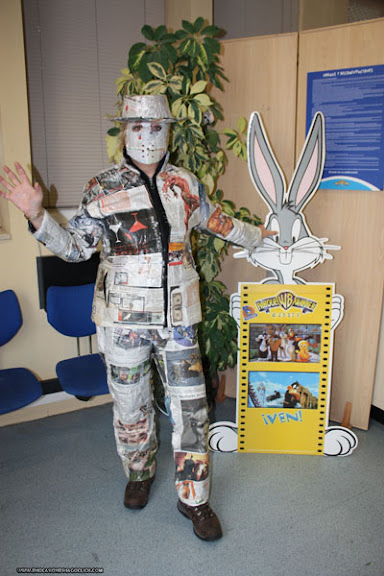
[175,351]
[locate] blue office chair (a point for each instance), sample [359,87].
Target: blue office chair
[18,386]
[69,312]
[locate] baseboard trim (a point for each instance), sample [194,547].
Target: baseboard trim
[51,405]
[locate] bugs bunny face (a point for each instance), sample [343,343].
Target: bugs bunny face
[293,248]
[146,142]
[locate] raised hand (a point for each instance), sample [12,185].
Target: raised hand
[266,233]
[22,194]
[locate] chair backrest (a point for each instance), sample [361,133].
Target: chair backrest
[10,316]
[69,309]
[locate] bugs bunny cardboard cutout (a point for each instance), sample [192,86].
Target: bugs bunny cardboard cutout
[293,249]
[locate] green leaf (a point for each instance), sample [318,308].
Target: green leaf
[175,107]
[180,34]
[198,87]
[188,26]
[212,46]
[201,152]
[237,148]
[190,112]
[155,87]
[203,55]
[159,33]
[208,181]
[168,38]
[219,244]
[136,53]
[185,84]
[183,112]
[184,46]
[230,133]
[198,24]
[148,32]
[114,148]
[142,68]
[175,83]
[210,30]
[228,207]
[194,112]
[217,112]
[220,73]
[206,272]
[157,70]
[242,124]
[203,100]
[197,131]
[191,164]
[230,144]
[212,138]
[193,49]
[114,131]
[121,84]
[171,53]
[136,48]
[159,56]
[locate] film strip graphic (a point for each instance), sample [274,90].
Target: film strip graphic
[243,370]
[283,427]
[327,345]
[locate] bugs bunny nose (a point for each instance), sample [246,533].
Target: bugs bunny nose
[285,247]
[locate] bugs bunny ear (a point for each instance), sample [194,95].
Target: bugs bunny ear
[263,167]
[309,170]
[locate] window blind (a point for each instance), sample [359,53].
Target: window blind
[74,53]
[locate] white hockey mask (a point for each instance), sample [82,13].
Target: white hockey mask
[146,142]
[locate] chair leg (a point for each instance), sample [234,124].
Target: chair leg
[346,423]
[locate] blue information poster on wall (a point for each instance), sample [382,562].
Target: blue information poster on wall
[352,101]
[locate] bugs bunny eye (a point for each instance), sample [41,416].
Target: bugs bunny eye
[274,225]
[296,228]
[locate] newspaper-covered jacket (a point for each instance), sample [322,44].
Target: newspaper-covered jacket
[146,277]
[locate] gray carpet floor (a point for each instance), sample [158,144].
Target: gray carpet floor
[61,505]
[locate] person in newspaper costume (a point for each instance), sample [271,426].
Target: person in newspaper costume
[146,296]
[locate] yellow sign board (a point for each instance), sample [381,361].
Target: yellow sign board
[284,361]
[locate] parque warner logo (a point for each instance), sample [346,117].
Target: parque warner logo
[286,300]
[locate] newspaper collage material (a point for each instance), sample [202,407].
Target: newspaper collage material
[284,363]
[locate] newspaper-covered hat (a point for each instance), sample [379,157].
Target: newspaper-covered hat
[145,107]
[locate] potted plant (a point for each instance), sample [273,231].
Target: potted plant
[185,65]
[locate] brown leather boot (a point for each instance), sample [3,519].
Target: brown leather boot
[137,493]
[206,524]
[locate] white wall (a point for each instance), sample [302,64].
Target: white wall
[246,18]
